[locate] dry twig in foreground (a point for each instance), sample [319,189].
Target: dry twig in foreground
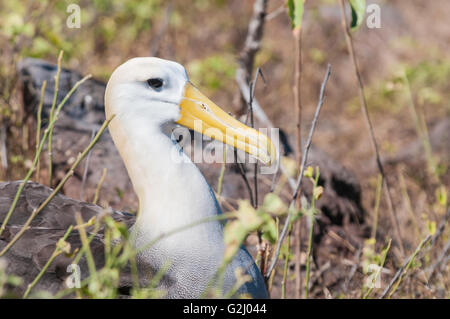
[297,189]
[363,103]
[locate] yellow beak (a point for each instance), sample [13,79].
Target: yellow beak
[202,115]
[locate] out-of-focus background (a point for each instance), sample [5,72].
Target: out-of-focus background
[405,67]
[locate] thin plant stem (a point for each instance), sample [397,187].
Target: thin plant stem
[286,264]
[297,254]
[99,186]
[308,255]
[91,237]
[404,269]
[86,169]
[85,244]
[376,208]
[52,114]
[222,173]
[407,200]
[310,219]
[297,90]
[38,127]
[380,268]
[365,112]
[297,189]
[422,131]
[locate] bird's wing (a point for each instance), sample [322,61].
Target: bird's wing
[30,253]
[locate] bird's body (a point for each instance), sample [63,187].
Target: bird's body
[145,95]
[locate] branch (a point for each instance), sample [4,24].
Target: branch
[253,40]
[296,192]
[363,103]
[404,268]
[246,58]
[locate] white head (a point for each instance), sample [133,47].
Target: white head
[149,88]
[150,91]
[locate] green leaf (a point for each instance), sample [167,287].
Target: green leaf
[431,227]
[309,172]
[273,204]
[296,8]
[358,11]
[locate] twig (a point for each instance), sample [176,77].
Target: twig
[244,177]
[38,128]
[352,271]
[298,109]
[343,241]
[435,266]
[262,245]
[86,168]
[253,40]
[407,201]
[99,186]
[398,277]
[376,209]
[432,239]
[440,229]
[222,172]
[36,157]
[275,13]
[85,244]
[380,268]
[298,261]
[3,149]
[286,264]
[80,157]
[297,90]
[52,111]
[308,254]
[156,41]
[247,56]
[296,192]
[363,103]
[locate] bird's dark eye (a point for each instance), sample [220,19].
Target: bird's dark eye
[155,83]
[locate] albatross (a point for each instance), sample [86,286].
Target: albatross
[146,95]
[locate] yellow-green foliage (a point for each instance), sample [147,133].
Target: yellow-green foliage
[213,72]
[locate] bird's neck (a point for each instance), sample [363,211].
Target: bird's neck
[172,191]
